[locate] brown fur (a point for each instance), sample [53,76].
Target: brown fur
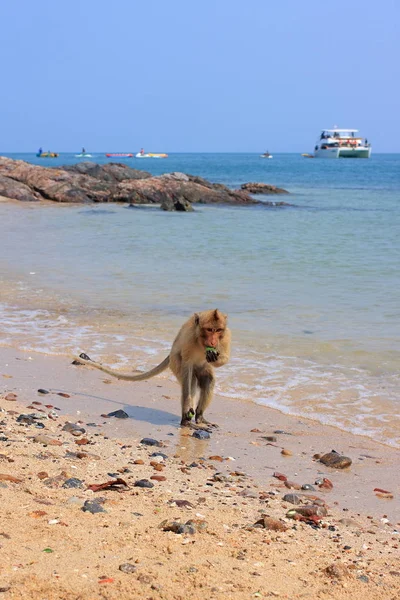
[202,343]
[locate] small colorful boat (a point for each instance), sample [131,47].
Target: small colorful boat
[151,155]
[119,155]
[47,155]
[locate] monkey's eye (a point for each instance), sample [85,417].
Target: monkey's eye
[220,330]
[209,330]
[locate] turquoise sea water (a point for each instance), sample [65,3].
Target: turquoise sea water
[312,290]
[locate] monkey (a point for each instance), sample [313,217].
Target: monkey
[202,343]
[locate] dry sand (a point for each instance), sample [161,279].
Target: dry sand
[51,549]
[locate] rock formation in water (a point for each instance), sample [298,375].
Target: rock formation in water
[88,182]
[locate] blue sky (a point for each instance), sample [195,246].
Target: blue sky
[191,75]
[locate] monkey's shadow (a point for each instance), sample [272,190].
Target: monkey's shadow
[154,416]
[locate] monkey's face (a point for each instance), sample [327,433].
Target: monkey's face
[212,325]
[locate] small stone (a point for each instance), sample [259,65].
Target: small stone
[158,477]
[308,486]
[292,498]
[118,414]
[201,434]
[337,571]
[271,524]
[73,482]
[217,458]
[150,442]
[269,438]
[46,440]
[93,506]
[363,578]
[160,454]
[43,391]
[143,483]
[335,460]
[63,395]
[11,397]
[127,568]
[138,461]
[286,452]
[73,428]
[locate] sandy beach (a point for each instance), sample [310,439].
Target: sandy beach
[215,523]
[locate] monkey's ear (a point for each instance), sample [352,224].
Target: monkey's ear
[196,319]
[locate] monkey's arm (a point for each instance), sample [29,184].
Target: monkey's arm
[84,359]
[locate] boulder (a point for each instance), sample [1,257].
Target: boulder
[176,203]
[111,172]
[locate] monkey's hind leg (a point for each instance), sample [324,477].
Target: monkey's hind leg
[206,382]
[189,386]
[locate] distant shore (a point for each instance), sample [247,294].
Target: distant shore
[352,550]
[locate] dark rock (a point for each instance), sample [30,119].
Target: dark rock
[9,188]
[118,414]
[94,506]
[73,428]
[127,568]
[26,419]
[164,456]
[176,203]
[335,460]
[143,483]
[111,172]
[292,498]
[262,188]
[73,482]
[176,527]
[363,578]
[150,442]
[43,391]
[201,434]
[269,438]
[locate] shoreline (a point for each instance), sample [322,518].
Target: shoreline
[227,481]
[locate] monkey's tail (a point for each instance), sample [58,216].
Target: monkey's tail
[125,376]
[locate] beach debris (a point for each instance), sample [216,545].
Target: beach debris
[279,476]
[127,568]
[118,414]
[11,478]
[201,434]
[150,442]
[143,483]
[292,498]
[43,391]
[190,527]
[114,484]
[94,506]
[182,504]
[36,514]
[337,571]
[46,440]
[335,460]
[73,482]
[271,524]
[73,428]
[380,493]
[54,482]
[48,550]
[310,510]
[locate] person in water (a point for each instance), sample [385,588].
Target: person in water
[40,151]
[83,151]
[142,151]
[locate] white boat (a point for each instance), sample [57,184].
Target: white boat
[266,155]
[151,155]
[341,143]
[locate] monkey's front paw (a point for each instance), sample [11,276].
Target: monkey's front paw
[211,354]
[84,356]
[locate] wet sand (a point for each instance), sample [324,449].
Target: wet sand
[50,548]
